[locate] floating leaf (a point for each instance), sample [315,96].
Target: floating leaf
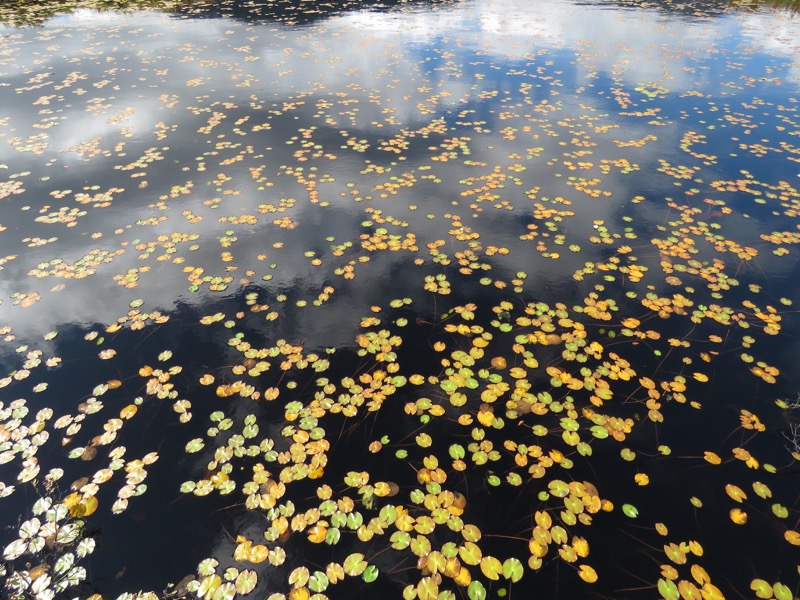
[761,588]
[780,511]
[476,591]
[354,564]
[587,573]
[491,567]
[299,577]
[15,549]
[195,445]
[318,582]
[675,553]
[668,590]
[299,594]
[781,591]
[470,553]
[246,581]
[128,411]
[226,591]
[630,511]
[735,492]
[370,574]
[738,516]
[427,589]
[793,537]
[512,569]
[332,536]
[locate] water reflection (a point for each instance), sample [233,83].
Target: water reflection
[294,12]
[22,13]
[295,76]
[296,180]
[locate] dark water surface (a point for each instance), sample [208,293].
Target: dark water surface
[525,271]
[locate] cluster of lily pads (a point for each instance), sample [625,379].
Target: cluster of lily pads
[529,385]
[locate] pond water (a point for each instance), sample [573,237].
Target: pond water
[473,299]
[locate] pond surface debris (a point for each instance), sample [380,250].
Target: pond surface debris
[438,300]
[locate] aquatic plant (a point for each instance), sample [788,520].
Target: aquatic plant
[455,325]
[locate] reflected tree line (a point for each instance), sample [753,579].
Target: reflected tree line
[696,8]
[27,13]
